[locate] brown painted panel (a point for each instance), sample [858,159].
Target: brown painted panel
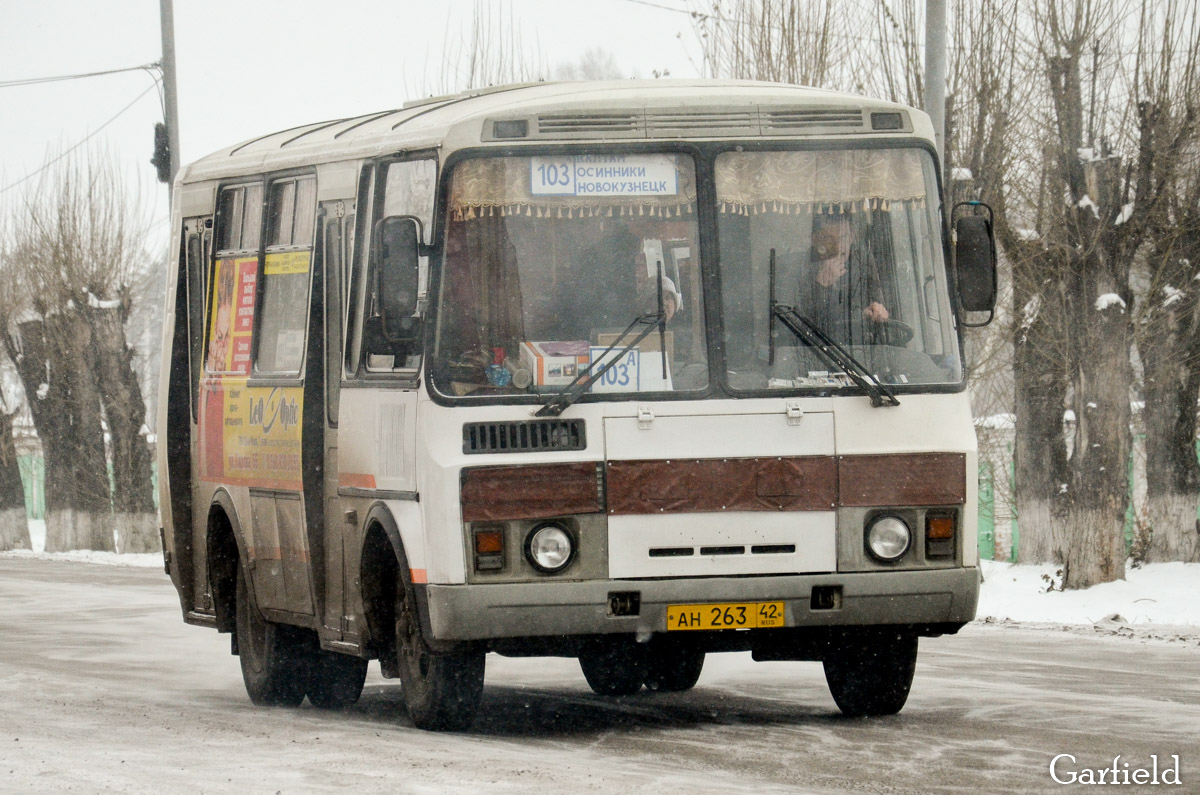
[806,483]
[530,492]
[902,479]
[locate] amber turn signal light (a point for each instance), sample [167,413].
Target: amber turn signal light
[489,548]
[939,528]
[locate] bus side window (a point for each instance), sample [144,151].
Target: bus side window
[335,288]
[196,265]
[409,190]
[235,268]
[286,275]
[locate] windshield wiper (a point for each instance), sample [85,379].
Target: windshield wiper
[583,382]
[813,336]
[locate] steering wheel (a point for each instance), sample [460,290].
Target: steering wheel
[896,333]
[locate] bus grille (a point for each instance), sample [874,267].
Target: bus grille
[811,119]
[531,436]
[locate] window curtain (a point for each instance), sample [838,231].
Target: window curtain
[750,183]
[483,286]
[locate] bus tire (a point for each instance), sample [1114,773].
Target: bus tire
[336,680]
[673,668]
[441,691]
[275,658]
[614,668]
[871,674]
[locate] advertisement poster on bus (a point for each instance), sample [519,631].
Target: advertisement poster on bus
[232,325]
[252,434]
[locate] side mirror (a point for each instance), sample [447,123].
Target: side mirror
[975,263]
[397,267]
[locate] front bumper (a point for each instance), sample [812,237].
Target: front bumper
[520,610]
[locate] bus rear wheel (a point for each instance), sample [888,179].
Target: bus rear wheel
[614,668]
[336,680]
[275,658]
[871,673]
[673,667]
[441,691]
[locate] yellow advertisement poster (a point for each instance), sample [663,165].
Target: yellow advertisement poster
[258,436]
[281,264]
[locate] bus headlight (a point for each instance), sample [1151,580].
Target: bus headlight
[888,538]
[549,547]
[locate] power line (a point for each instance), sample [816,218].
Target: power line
[34,81]
[47,165]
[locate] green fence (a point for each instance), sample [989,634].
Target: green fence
[33,478]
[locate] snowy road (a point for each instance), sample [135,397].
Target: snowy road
[103,688]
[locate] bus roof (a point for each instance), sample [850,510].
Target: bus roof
[618,110]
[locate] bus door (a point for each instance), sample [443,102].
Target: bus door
[252,398]
[377,412]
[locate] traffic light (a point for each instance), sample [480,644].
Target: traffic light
[162,152]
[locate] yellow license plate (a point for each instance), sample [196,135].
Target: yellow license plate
[735,615]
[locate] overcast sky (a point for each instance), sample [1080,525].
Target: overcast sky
[247,67]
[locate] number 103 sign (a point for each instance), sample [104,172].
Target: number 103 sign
[603,175]
[634,372]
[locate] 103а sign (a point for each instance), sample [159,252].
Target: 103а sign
[604,175]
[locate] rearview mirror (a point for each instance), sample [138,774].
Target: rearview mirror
[975,264]
[398,270]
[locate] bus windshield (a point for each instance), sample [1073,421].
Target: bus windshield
[849,240]
[548,259]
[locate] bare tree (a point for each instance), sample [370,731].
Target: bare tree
[76,244]
[786,41]
[492,53]
[1168,325]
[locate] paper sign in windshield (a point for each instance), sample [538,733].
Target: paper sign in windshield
[604,175]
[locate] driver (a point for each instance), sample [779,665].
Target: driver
[838,288]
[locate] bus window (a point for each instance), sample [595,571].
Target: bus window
[195,288]
[234,275]
[334,289]
[548,260]
[409,190]
[285,276]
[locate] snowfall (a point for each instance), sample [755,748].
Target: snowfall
[1153,599]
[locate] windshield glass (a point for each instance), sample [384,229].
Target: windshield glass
[856,251]
[548,259]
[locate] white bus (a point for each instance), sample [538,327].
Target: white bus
[631,372]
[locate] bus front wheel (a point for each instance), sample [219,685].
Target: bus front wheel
[274,657]
[441,691]
[871,673]
[336,680]
[614,668]
[673,667]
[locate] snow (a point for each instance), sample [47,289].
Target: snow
[1109,299]
[1172,294]
[1160,594]
[997,422]
[1030,311]
[101,303]
[1155,593]
[43,390]
[961,174]
[1125,214]
[1027,234]
[1087,203]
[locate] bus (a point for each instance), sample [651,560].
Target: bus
[630,372]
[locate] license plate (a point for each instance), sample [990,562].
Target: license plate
[734,615]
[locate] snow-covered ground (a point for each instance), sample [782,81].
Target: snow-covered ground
[1154,595]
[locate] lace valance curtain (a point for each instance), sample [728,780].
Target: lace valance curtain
[489,187]
[749,183]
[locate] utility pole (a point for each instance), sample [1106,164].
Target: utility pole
[166,15]
[935,70]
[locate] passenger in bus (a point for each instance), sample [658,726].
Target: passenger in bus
[840,290]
